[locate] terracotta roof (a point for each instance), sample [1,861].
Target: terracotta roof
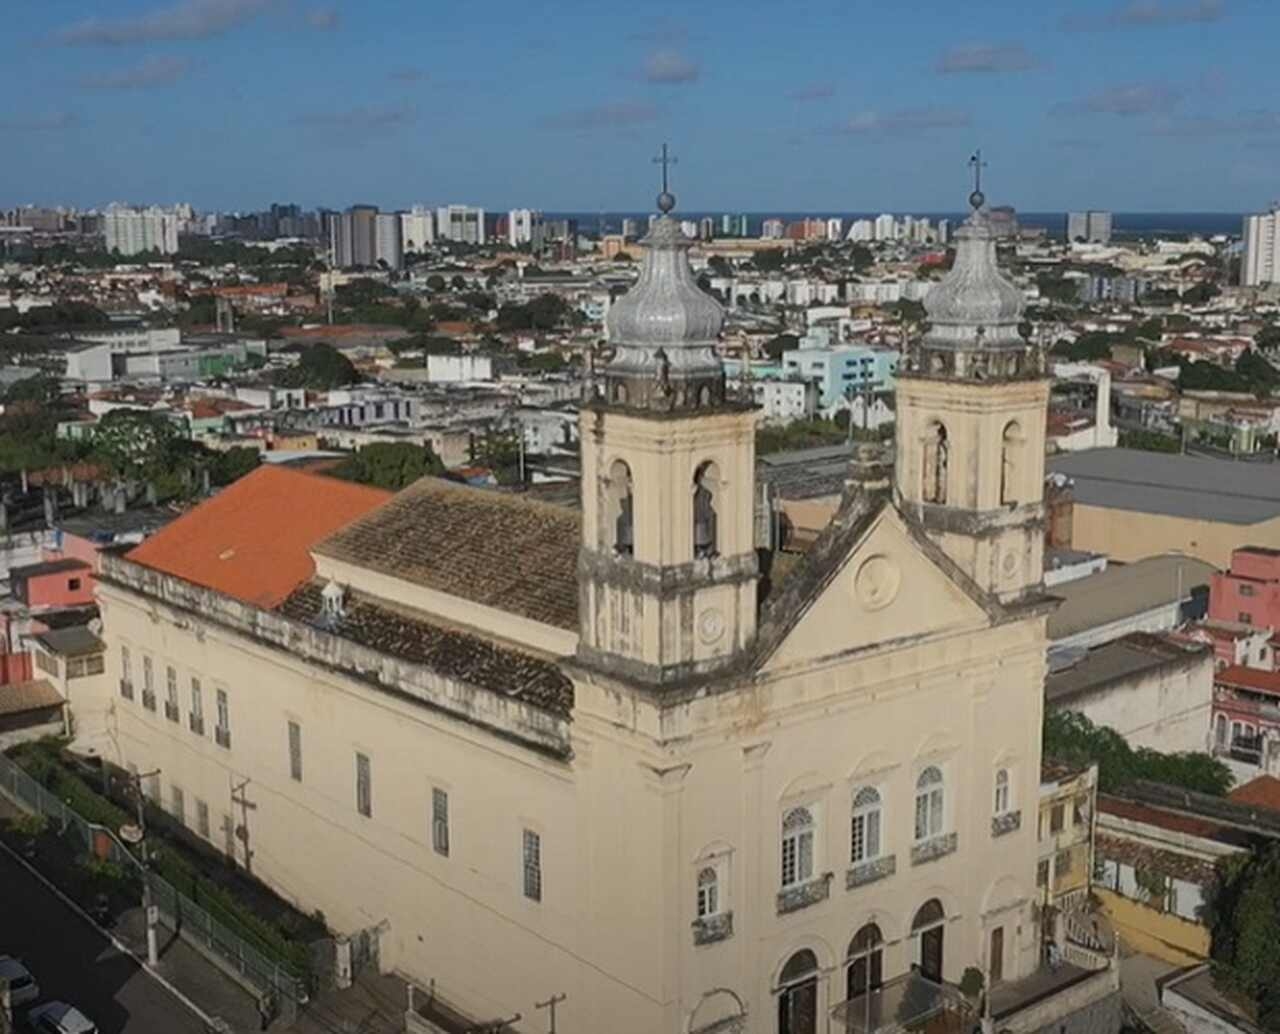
[253,539]
[1262,792]
[493,548]
[411,636]
[1252,680]
[1160,818]
[20,697]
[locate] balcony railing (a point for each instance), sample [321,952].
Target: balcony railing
[149,699]
[196,723]
[709,929]
[802,895]
[909,1002]
[1246,749]
[934,847]
[1008,822]
[126,689]
[171,710]
[222,736]
[862,873]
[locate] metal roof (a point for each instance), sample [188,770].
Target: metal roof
[1196,487]
[1123,590]
[76,641]
[1125,658]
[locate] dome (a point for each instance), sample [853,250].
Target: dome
[666,308]
[974,305]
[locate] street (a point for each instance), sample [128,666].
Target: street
[71,961]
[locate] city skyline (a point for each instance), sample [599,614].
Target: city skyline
[1086,104]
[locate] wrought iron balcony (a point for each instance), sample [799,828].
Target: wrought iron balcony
[802,895]
[222,736]
[1008,822]
[934,847]
[709,929]
[862,873]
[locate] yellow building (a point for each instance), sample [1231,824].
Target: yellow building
[535,751]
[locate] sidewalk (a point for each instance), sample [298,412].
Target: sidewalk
[372,1005]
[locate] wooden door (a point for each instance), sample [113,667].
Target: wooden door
[798,1008]
[995,963]
[931,954]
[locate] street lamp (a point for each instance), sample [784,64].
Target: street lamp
[137,835]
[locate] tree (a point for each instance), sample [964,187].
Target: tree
[1268,337]
[1088,347]
[775,346]
[320,367]
[435,282]
[1260,374]
[1070,737]
[500,452]
[232,464]
[1243,915]
[41,389]
[390,465]
[768,260]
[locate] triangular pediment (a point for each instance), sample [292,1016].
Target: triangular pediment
[889,586]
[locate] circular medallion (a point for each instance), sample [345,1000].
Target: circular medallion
[1010,562]
[877,581]
[710,626]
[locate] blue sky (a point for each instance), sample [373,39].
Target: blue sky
[840,105]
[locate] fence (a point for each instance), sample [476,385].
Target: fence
[176,911]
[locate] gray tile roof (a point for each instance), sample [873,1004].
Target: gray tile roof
[1199,487]
[1125,658]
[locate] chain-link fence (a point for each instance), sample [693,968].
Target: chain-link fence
[176,911]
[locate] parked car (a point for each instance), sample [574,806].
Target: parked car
[23,989]
[59,1018]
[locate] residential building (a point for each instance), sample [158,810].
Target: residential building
[575,680]
[785,400]
[1249,590]
[1090,227]
[417,228]
[524,227]
[842,371]
[388,240]
[1246,721]
[1064,833]
[460,223]
[1261,263]
[1130,503]
[886,227]
[862,230]
[353,237]
[132,231]
[773,229]
[453,369]
[1154,690]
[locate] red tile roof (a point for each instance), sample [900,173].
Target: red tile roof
[253,539]
[1252,680]
[1158,817]
[1262,792]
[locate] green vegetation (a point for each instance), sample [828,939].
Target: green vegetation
[1149,441]
[775,346]
[546,312]
[1252,372]
[1243,915]
[803,434]
[45,317]
[389,465]
[1071,738]
[319,367]
[1088,347]
[371,301]
[1268,337]
[500,452]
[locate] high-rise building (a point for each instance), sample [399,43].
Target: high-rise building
[353,237]
[525,227]
[773,229]
[862,230]
[460,223]
[388,242]
[835,228]
[706,228]
[417,228]
[1092,227]
[733,225]
[132,231]
[1261,264]
[885,227]
[630,228]
[943,236]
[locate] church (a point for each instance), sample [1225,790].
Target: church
[619,753]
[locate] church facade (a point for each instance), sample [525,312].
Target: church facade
[614,753]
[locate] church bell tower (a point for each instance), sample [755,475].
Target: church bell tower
[667,567]
[972,400]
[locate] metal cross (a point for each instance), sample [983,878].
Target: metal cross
[665,160]
[977,165]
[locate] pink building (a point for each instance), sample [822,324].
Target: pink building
[53,584]
[1249,592]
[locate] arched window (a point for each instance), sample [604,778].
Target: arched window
[935,464]
[864,840]
[621,510]
[866,954]
[798,995]
[797,847]
[708,892]
[706,490]
[1002,791]
[1010,452]
[929,802]
[1220,731]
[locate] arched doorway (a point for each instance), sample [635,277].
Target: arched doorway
[866,962]
[798,994]
[927,927]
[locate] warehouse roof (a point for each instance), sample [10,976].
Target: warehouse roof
[1125,658]
[1173,485]
[1123,590]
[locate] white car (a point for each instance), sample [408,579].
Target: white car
[59,1018]
[23,989]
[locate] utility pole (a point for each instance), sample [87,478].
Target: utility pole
[550,1005]
[138,835]
[239,797]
